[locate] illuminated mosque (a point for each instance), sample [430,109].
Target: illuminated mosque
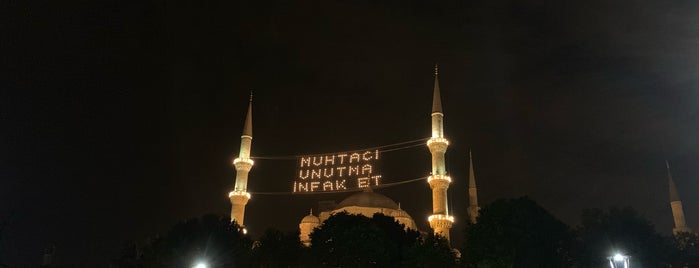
[368,203]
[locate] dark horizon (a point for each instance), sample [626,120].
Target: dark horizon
[122,118]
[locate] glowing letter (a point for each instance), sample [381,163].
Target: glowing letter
[306,160]
[341,169]
[325,172]
[366,169]
[355,157]
[365,157]
[315,173]
[342,158]
[340,185]
[303,186]
[320,161]
[302,176]
[355,169]
[363,182]
[329,159]
[315,185]
[376,179]
[327,186]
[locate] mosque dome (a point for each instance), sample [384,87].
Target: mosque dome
[368,203]
[365,203]
[368,199]
[310,218]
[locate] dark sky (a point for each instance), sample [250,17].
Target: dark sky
[120,119]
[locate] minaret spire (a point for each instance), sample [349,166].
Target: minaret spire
[674,196]
[440,220]
[243,164]
[247,128]
[436,98]
[472,191]
[676,205]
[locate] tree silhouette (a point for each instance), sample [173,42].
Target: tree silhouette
[432,251]
[211,239]
[686,252]
[345,240]
[277,249]
[516,233]
[603,233]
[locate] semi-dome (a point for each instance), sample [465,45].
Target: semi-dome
[368,199]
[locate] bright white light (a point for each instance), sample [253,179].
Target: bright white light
[243,160]
[440,217]
[200,265]
[233,193]
[619,261]
[439,177]
[619,257]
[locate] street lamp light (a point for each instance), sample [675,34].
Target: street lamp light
[619,261]
[201,265]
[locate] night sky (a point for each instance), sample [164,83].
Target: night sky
[117,120]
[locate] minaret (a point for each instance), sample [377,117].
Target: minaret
[676,205]
[239,196]
[440,220]
[472,191]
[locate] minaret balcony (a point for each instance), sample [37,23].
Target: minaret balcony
[439,177]
[440,221]
[437,140]
[244,161]
[239,194]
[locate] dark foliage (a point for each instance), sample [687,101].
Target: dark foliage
[278,249]
[342,241]
[432,251]
[211,238]
[509,233]
[356,241]
[516,233]
[686,250]
[603,233]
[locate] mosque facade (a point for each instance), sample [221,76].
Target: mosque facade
[367,203]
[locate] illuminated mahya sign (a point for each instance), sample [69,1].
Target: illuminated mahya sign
[337,172]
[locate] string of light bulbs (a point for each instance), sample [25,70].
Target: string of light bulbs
[385,185]
[386,148]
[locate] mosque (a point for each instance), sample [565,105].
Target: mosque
[368,203]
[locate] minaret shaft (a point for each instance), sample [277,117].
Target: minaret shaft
[437,125]
[438,167]
[243,164]
[245,144]
[678,216]
[440,220]
[676,206]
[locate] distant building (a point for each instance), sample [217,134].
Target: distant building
[368,203]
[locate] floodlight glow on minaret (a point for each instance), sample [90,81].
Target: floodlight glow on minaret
[676,205]
[472,191]
[440,220]
[239,196]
